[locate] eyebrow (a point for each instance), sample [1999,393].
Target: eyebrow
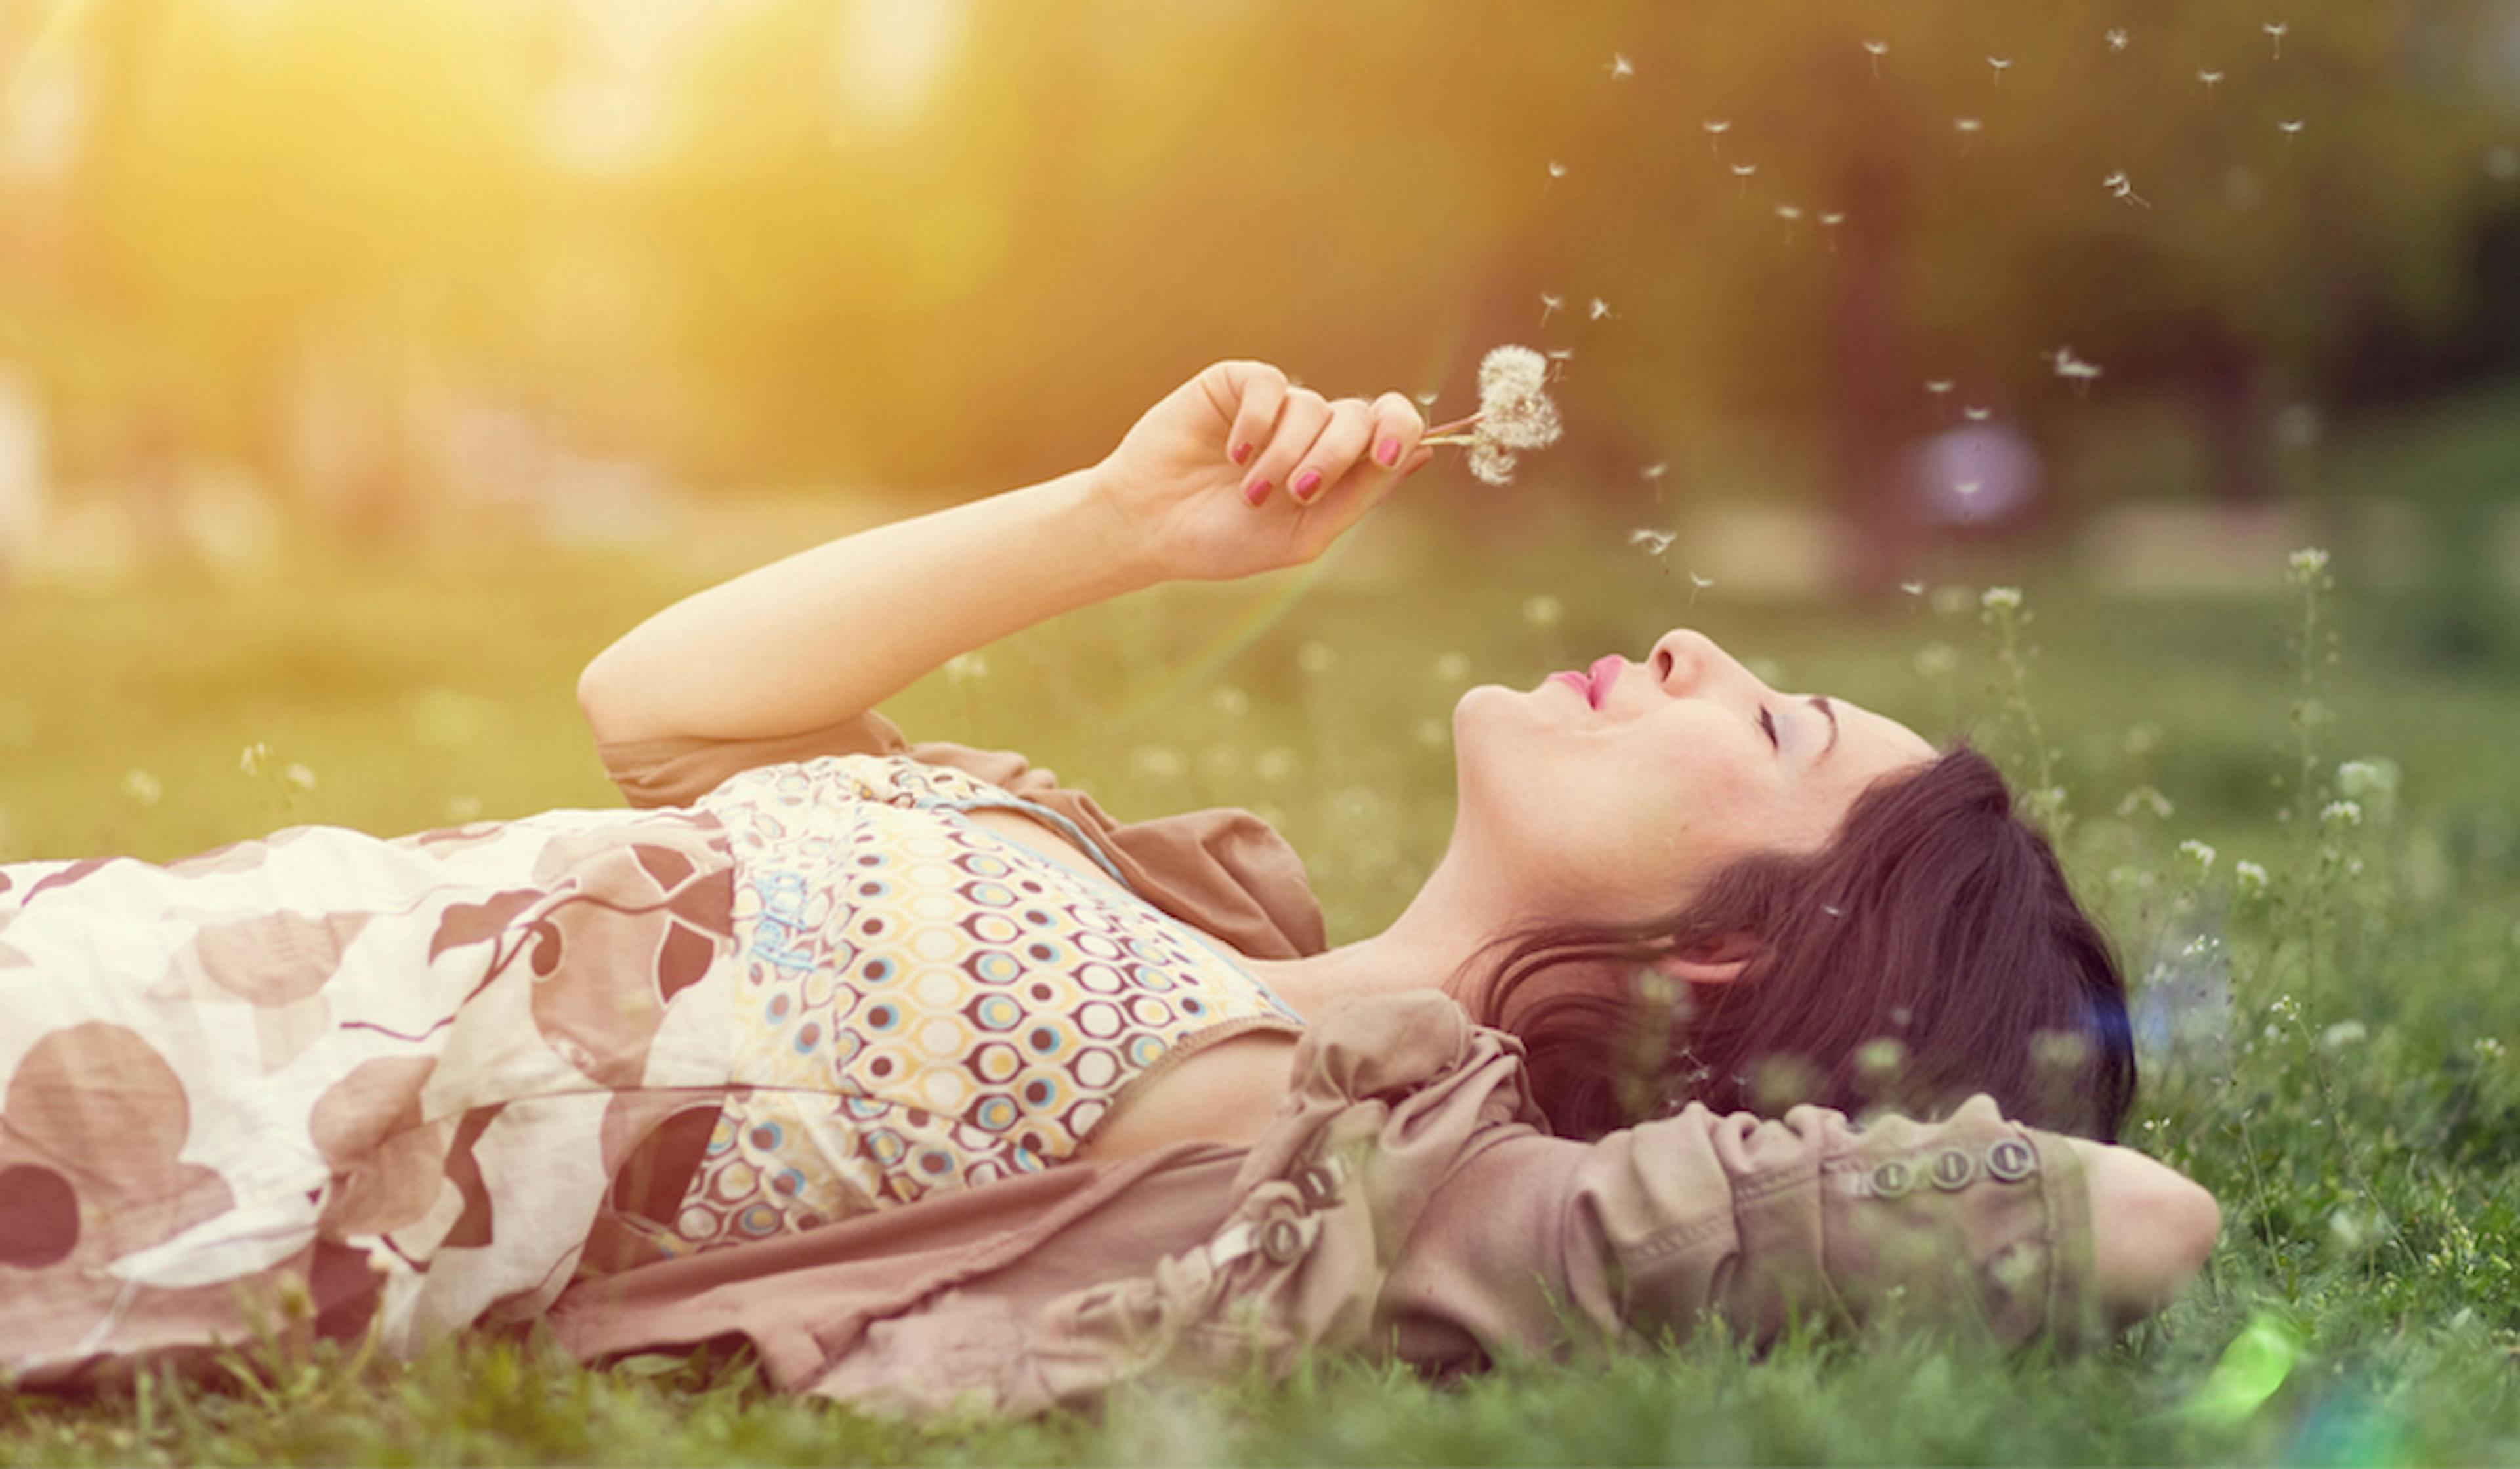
[1820,702]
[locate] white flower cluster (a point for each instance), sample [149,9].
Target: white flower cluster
[1515,413]
[2307,562]
[2006,598]
[2251,876]
[2198,853]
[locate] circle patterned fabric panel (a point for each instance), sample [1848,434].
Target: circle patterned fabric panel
[923,1004]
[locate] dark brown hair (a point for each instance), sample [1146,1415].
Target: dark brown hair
[1930,950]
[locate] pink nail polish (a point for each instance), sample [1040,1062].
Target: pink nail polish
[1258,491]
[1388,451]
[1241,452]
[1305,482]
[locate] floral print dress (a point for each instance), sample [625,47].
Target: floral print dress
[423,1076]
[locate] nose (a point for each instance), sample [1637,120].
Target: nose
[1684,658]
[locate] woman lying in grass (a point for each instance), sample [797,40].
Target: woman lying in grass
[997,1093]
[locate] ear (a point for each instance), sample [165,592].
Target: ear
[1718,961]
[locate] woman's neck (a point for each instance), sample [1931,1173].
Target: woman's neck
[1424,947]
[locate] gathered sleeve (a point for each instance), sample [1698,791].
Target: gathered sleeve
[1755,1223]
[1221,869]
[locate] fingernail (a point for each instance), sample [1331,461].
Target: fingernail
[1258,491]
[1241,452]
[1304,483]
[1388,451]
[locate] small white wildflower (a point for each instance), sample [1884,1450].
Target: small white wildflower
[2488,1048]
[298,776]
[142,787]
[1601,308]
[1230,701]
[2005,599]
[1452,668]
[1315,657]
[462,809]
[2341,813]
[2146,798]
[1543,610]
[1277,763]
[2198,853]
[2115,38]
[2249,877]
[2285,1008]
[2307,562]
[1155,762]
[1655,542]
[966,668]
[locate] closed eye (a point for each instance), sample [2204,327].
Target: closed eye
[1768,723]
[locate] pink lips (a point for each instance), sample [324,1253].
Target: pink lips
[1595,683]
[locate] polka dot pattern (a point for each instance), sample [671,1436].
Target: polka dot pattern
[923,1004]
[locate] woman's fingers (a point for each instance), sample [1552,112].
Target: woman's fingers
[1272,463]
[1342,440]
[1260,391]
[1398,426]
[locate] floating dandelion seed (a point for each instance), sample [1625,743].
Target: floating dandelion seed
[1556,170]
[2291,130]
[1620,68]
[2121,186]
[1655,542]
[1716,129]
[1654,471]
[1938,387]
[1558,357]
[2002,64]
[1829,221]
[1913,588]
[2115,38]
[2275,30]
[1876,50]
[1426,401]
[1697,584]
[2073,369]
[1977,414]
[1967,489]
[1549,304]
[1743,171]
[1601,309]
[1967,128]
[1788,213]
[2209,78]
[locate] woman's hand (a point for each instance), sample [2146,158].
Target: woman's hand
[1236,472]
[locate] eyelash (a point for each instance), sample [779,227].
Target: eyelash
[1768,723]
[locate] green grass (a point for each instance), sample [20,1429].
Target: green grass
[2351,1109]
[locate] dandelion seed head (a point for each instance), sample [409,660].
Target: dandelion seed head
[1512,372]
[1490,463]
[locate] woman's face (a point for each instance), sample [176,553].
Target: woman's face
[1618,802]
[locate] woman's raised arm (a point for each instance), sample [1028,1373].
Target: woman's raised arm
[829,633]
